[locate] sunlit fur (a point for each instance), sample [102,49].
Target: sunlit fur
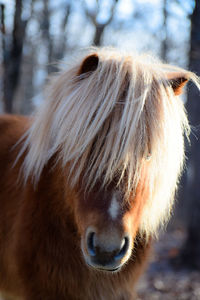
[108,122]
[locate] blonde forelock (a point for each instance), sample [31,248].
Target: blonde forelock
[108,122]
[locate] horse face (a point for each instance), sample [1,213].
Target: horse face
[108,226]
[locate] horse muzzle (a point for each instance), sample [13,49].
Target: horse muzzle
[106,251]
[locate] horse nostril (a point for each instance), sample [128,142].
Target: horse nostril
[123,249]
[90,244]
[106,251]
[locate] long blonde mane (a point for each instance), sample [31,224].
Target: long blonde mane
[107,122]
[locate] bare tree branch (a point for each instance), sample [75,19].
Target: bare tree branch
[99,26]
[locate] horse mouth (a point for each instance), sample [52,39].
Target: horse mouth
[110,270]
[113,270]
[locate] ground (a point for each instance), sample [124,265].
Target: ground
[163,281]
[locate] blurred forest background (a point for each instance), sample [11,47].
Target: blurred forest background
[37,34]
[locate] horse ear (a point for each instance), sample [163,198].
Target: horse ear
[177,80]
[89,64]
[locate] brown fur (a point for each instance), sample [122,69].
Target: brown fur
[40,256]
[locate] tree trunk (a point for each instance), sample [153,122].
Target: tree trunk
[99,29]
[2,46]
[13,57]
[164,44]
[190,254]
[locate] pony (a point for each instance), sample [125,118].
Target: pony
[88,180]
